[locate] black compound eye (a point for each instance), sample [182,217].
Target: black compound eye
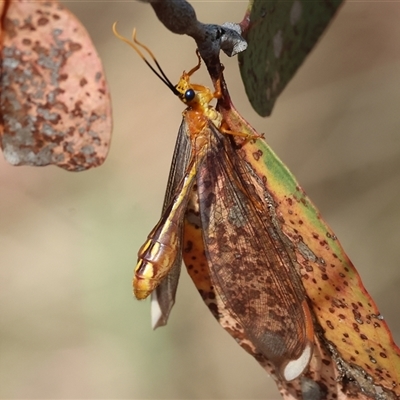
[189,95]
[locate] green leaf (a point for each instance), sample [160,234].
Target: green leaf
[280,34]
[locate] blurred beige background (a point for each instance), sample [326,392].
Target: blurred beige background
[69,327]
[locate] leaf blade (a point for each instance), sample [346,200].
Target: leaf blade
[280,35]
[55,101]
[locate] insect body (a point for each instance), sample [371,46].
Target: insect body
[252,268]
[163,246]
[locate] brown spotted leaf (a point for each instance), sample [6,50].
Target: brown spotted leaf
[322,380]
[354,354]
[346,317]
[55,104]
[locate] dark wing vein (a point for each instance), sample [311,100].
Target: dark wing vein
[166,291]
[250,266]
[179,164]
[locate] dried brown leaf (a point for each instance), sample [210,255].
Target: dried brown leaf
[55,103]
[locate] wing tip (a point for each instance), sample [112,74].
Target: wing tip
[294,368]
[157,318]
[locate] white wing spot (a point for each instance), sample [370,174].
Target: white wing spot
[156,312]
[293,369]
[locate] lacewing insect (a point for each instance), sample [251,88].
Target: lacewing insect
[251,265]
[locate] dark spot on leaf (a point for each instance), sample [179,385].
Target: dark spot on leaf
[43,21]
[357,317]
[77,111]
[189,246]
[73,46]
[214,309]
[257,155]
[330,325]
[322,268]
